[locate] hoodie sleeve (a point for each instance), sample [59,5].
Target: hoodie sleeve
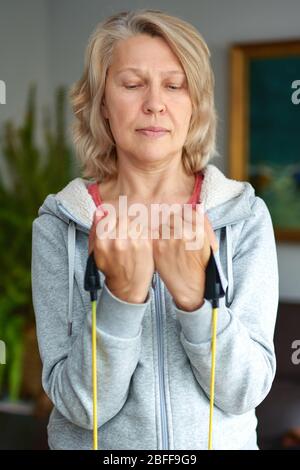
[245,358]
[66,375]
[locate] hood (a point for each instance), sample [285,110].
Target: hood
[225,200]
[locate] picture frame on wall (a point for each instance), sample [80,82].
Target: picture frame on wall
[264,136]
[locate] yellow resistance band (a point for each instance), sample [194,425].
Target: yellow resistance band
[212,377]
[94,374]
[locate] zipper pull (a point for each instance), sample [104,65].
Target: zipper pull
[153,282]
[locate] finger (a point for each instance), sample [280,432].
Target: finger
[145,232]
[173,227]
[137,229]
[97,216]
[106,226]
[193,224]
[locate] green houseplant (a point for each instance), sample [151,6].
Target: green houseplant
[32,173]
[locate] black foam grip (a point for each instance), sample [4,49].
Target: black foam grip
[213,287]
[92,277]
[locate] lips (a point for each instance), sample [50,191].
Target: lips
[154,129]
[152,134]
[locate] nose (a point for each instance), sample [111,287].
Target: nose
[154,102]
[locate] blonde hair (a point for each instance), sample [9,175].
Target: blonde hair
[92,136]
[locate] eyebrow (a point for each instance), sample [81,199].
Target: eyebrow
[139,71]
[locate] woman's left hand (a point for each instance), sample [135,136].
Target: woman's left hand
[183,269]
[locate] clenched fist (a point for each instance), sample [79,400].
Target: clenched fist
[127,263]
[181,262]
[129,258]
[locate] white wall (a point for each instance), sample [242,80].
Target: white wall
[46,39]
[23,54]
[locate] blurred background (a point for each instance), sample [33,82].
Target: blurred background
[42,44]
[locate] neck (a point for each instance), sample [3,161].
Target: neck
[162,183]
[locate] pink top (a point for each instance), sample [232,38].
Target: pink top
[94,191]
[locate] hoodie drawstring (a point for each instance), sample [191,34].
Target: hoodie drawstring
[71,263]
[229,290]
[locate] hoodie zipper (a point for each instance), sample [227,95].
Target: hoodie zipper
[161,372]
[156,285]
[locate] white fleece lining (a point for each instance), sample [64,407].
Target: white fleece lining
[216,189]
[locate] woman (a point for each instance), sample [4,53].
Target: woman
[148,69]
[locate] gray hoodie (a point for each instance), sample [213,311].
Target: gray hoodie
[154,359]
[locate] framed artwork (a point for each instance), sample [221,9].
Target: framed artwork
[264,139]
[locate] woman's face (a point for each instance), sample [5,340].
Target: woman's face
[155,94]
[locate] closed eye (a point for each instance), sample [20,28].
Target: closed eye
[131,87]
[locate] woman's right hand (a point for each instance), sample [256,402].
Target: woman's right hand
[128,263]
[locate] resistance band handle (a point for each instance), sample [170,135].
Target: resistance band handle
[91,277]
[213,287]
